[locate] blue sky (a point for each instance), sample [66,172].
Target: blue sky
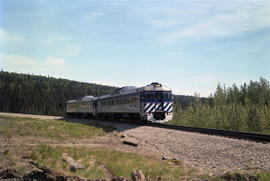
[188,45]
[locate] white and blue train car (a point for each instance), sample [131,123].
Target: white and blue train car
[121,103]
[151,102]
[156,103]
[81,106]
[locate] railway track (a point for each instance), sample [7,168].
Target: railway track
[225,133]
[265,138]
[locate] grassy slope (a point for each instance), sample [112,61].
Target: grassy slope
[54,129]
[98,162]
[117,163]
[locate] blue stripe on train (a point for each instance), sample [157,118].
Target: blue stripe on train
[159,107]
[152,107]
[165,105]
[149,107]
[168,110]
[146,107]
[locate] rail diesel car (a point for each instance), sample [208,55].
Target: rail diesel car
[151,103]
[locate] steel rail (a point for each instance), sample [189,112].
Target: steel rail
[217,132]
[258,137]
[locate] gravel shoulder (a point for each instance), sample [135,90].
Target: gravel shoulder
[213,153]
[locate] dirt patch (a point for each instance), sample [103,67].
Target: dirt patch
[30,116]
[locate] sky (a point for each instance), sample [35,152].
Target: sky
[187,45]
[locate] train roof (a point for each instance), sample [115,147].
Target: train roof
[83,99]
[155,86]
[133,89]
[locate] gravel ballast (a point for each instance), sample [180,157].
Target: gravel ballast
[200,150]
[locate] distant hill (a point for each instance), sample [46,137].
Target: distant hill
[25,93]
[35,94]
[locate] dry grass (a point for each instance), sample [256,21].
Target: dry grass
[54,129]
[117,163]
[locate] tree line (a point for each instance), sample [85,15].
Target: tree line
[244,108]
[32,94]
[25,93]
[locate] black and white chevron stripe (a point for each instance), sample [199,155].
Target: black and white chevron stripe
[152,107]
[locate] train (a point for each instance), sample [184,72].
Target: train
[152,103]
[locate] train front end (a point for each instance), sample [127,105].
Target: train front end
[157,103]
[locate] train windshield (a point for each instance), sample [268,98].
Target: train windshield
[167,96]
[149,96]
[157,96]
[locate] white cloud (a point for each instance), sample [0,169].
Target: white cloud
[75,50]
[6,36]
[55,38]
[93,15]
[214,20]
[52,66]
[55,61]
[166,23]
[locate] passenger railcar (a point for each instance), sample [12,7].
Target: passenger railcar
[152,103]
[81,106]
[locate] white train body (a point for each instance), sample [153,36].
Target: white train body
[152,103]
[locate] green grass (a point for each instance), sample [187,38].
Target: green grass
[263,176]
[56,129]
[96,161]
[258,175]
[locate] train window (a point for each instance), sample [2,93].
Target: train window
[133,100]
[166,95]
[158,96]
[149,96]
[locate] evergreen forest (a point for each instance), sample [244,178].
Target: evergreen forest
[244,108]
[22,93]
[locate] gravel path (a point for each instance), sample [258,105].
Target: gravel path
[198,150]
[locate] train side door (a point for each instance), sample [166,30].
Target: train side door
[95,107]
